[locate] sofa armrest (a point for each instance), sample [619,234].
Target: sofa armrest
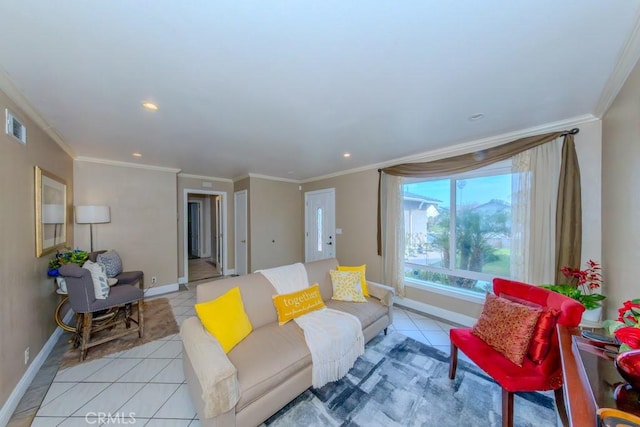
[383,292]
[217,376]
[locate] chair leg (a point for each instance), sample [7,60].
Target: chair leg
[562,408]
[127,315]
[86,334]
[507,408]
[140,318]
[453,361]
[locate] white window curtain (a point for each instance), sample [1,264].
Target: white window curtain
[392,215]
[533,212]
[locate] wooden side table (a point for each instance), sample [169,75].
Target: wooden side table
[590,380]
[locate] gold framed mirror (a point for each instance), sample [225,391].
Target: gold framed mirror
[51,212]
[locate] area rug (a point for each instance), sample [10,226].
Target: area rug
[159,322]
[402,382]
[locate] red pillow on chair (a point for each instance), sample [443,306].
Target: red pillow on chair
[507,327]
[541,337]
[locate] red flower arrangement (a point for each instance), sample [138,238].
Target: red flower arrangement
[626,328]
[588,279]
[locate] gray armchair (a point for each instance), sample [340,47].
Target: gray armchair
[84,303]
[125,277]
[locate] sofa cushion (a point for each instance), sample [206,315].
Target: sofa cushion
[111,261]
[367,313]
[259,306]
[225,318]
[542,334]
[295,304]
[268,357]
[99,278]
[318,272]
[347,286]
[507,326]
[362,269]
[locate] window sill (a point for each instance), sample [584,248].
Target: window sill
[446,290]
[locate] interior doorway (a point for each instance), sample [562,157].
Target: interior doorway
[204,234]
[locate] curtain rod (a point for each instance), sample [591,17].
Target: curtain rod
[570,132]
[573,131]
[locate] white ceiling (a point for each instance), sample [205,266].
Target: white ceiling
[283,88]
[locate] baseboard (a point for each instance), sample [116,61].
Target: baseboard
[182,281]
[432,310]
[159,290]
[23,385]
[230,272]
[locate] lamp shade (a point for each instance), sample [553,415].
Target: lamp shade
[52,214]
[92,214]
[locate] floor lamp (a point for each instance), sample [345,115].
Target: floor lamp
[92,214]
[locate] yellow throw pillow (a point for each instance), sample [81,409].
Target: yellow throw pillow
[347,286]
[225,318]
[361,268]
[295,304]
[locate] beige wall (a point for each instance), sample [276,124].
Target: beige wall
[195,184]
[143,216]
[275,223]
[620,200]
[356,207]
[28,297]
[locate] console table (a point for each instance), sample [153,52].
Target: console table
[590,379]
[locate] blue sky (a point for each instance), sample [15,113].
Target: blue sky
[470,191]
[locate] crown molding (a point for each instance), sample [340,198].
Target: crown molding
[468,147]
[12,91]
[267,177]
[203,177]
[125,164]
[628,59]
[273,178]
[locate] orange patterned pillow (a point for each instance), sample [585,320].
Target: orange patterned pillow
[507,327]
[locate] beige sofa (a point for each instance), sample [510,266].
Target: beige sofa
[272,365]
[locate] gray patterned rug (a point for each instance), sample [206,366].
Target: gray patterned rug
[402,382]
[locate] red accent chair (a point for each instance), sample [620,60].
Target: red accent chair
[531,376]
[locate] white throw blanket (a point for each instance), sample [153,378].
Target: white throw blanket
[288,278]
[334,338]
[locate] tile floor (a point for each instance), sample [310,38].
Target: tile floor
[145,385]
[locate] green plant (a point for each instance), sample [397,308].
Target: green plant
[588,280]
[590,301]
[67,256]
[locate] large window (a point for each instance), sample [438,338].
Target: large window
[457,229]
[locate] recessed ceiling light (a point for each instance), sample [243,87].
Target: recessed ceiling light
[346,155]
[476,117]
[136,155]
[150,106]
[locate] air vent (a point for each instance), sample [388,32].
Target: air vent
[15,128]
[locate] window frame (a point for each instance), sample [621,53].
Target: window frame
[499,168]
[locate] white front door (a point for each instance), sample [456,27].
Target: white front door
[240,209]
[320,224]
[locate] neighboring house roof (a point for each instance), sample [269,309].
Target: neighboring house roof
[493,206]
[420,198]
